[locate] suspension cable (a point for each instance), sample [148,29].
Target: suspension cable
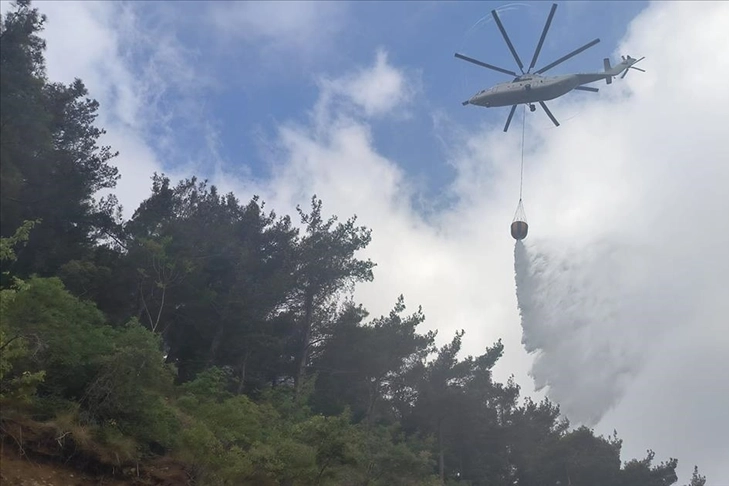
[521,176]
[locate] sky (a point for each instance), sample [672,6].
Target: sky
[621,308]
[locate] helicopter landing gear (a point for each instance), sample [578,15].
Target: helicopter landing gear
[532,108]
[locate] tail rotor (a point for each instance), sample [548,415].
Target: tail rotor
[632,65]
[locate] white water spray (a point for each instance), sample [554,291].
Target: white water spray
[589,314]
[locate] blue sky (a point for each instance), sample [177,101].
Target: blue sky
[255,92]
[360,103]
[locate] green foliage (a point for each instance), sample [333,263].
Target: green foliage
[50,164]
[235,439]
[129,385]
[387,456]
[21,387]
[7,245]
[326,265]
[643,472]
[115,375]
[362,363]
[68,334]
[14,387]
[580,458]
[229,266]
[696,478]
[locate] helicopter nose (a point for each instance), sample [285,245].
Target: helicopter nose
[480,99]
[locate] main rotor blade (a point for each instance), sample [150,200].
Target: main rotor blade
[637,69]
[544,35]
[483,64]
[624,73]
[508,41]
[549,113]
[564,58]
[508,120]
[587,88]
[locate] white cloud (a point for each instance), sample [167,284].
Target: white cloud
[131,70]
[377,89]
[275,21]
[283,33]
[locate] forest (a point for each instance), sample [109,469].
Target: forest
[208,340]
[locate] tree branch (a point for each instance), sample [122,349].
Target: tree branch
[10,341]
[144,302]
[161,306]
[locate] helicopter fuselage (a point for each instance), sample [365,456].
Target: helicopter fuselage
[531,88]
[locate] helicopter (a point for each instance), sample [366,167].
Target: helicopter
[529,88]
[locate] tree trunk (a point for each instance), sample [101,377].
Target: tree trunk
[161,306]
[308,317]
[217,339]
[242,372]
[441,457]
[140,304]
[374,387]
